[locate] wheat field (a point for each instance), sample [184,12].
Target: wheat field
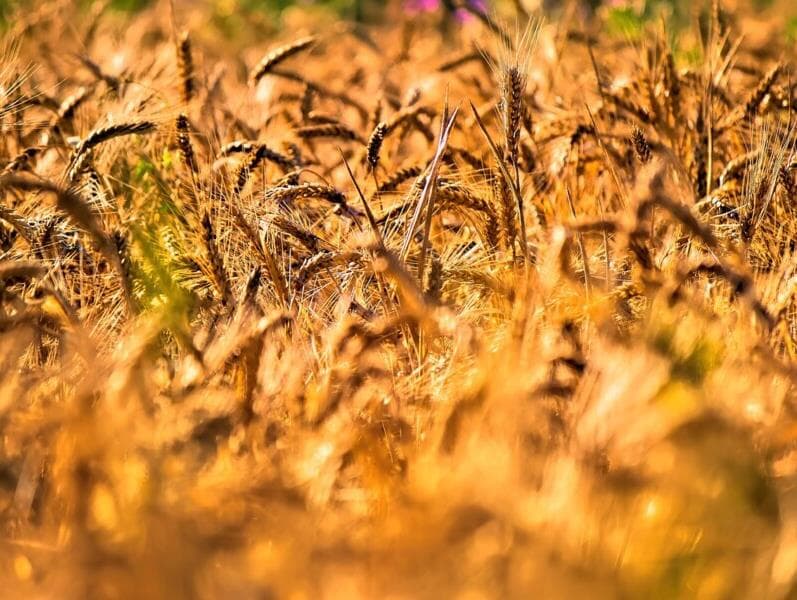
[462,301]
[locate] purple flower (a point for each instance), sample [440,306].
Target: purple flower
[421,6]
[415,7]
[480,5]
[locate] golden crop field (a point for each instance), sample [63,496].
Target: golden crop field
[453,299]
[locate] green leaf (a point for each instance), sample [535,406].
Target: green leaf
[791,30]
[624,22]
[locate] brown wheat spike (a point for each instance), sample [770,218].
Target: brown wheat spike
[290,178]
[286,163]
[104,134]
[184,144]
[256,156]
[492,230]
[46,237]
[316,263]
[185,67]
[412,97]
[125,272]
[473,161]
[454,195]
[252,161]
[751,104]
[220,279]
[317,118]
[375,144]
[629,105]
[513,87]
[19,224]
[680,212]
[92,185]
[582,130]
[97,137]
[295,152]
[457,194]
[306,191]
[529,161]
[70,105]
[407,114]
[786,180]
[641,145]
[725,201]
[237,147]
[307,102]
[22,160]
[757,96]
[78,166]
[290,97]
[376,116]
[434,285]
[459,61]
[253,284]
[307,238]
[329,130]
[736,168]
[506,208]
[112,82]
[323,91]
[18,269]
[701,148]
[73,205]
[399,177]
[277,56]
[672,83]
